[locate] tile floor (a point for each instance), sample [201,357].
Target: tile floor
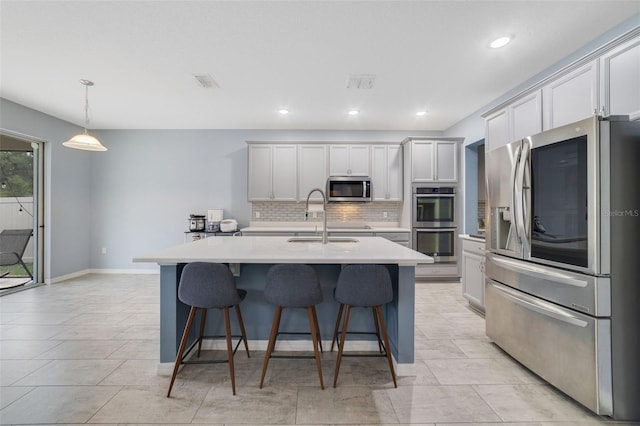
[86,351]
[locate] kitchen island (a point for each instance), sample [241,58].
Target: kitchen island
[251,257]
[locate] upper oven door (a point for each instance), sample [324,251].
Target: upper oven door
[434,210]
[562,197]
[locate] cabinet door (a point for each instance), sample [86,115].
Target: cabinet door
[620,80]
[359,162]
[338,160]
[284,172]
[259,180]
[571,97]
[379,173]
[395,175]
[525,116]
[422,167]
[446,161]
[497,130]
[473,278]
[312,170]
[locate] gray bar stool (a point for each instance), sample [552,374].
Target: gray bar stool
[206,286]
[363,286]
[293,286]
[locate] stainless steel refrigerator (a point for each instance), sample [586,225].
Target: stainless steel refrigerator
[563,259]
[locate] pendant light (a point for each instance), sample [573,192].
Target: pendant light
[84,140]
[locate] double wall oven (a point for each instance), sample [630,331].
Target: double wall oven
[434,221]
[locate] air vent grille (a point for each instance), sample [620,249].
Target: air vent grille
[361,81]
[205,81]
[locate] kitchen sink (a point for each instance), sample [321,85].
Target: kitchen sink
[319,240]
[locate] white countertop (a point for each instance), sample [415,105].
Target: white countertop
[279,250]
[472,238]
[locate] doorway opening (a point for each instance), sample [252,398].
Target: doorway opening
[21,212]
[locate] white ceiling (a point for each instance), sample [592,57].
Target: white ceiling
[266,55]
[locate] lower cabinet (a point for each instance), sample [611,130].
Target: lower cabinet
[473,272]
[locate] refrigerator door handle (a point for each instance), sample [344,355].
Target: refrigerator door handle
[523,218]
[538,272]
[538,306]
[515,195]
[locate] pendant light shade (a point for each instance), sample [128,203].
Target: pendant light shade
[84,140]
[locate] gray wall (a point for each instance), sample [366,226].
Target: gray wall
[67,188]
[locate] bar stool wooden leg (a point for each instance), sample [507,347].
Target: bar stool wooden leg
[315,318]
[386,343]
[275,326]
[203,320]
[343,335]
[227,326]
[335,330]
[375,322]
[313,325]
[242,330]
[183,344]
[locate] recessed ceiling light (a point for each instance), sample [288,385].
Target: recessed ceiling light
[283,111]
[421,113]
[500,42]
[354,112]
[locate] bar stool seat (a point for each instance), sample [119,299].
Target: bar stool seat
[293,286]
[363,286]
[205,286]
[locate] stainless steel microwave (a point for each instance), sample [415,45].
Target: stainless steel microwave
[349,188]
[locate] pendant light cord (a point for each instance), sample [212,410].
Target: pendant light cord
[86,108]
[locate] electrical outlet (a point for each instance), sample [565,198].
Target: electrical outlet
[104,250]
[384,214]
[257,215]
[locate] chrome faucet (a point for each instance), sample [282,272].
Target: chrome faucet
[324,213]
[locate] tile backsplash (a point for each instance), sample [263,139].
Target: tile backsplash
[337,212]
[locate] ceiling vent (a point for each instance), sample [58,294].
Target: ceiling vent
[361,81]
[205,81]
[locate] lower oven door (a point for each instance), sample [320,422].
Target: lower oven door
[570,350]
[439,243]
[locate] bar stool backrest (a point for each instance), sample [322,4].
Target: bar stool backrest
[207,285]
[364,285]
[292,286]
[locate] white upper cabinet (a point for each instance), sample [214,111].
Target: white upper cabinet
[422,159]
[386,172]
[272,172]
[571,97]
[312,170]
[620,80]
[434,161]
[349,160]
[525,116]
[497,129]
[446,161]
[521,118]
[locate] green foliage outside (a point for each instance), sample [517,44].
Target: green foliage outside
[16,174]
[15,270]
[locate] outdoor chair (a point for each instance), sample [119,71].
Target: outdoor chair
[13,243]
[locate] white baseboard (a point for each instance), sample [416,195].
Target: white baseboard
[101,271]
